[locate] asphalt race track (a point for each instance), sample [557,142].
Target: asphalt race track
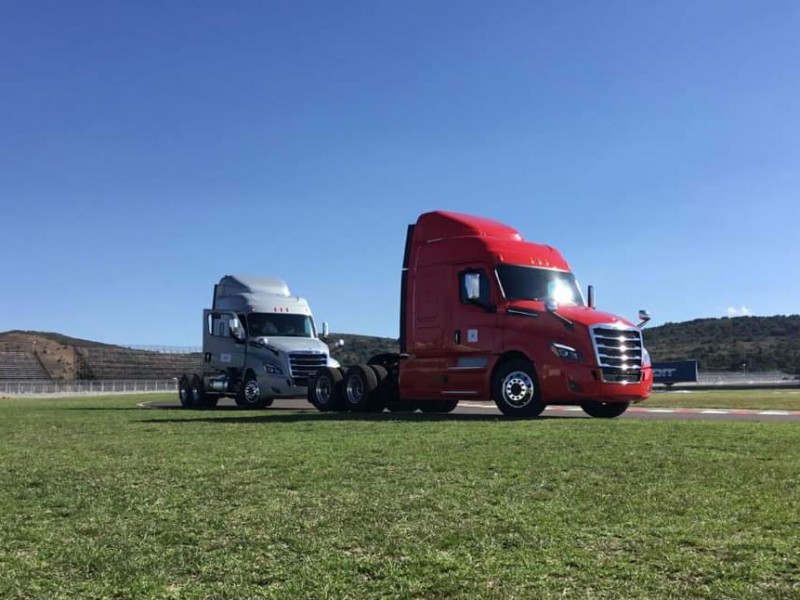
[567,412]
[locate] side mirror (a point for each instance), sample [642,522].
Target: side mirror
[236,329]
[644,317]
[551,305]
[591,296]
[339,343]
[472,292]
[325,331]
[472,286]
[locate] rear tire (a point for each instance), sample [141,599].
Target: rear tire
[604,410]
[197,395]
[185,391]
[360,389]
[325,389]
[250,395]
[381,373]
[515,390]
[384,392]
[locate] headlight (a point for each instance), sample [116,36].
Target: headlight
[646,362]
[565,352]
[332,362]
[272,369]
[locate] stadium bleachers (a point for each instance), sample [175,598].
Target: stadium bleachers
[17,365]
[126,363]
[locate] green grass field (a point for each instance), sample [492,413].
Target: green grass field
[101,499]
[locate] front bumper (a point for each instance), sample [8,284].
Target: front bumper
[280,386]
[575,383]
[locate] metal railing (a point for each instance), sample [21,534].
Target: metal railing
[86,388]
[754,378]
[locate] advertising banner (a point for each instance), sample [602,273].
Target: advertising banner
[675,372]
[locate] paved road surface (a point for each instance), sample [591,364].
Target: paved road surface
[488,408]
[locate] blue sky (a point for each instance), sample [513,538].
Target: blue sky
[148,148]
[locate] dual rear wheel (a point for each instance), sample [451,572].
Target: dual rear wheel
[325,389]
[367,389]
[192,393]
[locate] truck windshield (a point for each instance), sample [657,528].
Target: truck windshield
[532,283]
[280,325]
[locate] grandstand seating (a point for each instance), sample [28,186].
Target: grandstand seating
[17,365]
[126,363]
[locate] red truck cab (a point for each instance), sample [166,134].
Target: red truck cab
[486,315]
[475,324]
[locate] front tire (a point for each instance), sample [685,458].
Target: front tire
[604,410]
[250,394]
[396,405]
[325,389]
[438,406]
[515,390]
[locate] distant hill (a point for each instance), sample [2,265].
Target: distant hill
[725,344]
[54,351]
[763,343]
[59,353]
[59,338]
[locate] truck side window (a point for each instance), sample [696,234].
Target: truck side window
[218,324]
[474,287]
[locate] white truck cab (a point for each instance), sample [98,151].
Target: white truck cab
[259,343]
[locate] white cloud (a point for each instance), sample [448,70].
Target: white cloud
[741,311]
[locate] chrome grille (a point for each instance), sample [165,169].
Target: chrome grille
[619,352]
[305,364]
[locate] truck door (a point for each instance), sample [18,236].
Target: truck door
[422,374]
[470,342]
[220,349]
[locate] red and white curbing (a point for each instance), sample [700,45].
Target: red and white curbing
[695,411]
[677,411]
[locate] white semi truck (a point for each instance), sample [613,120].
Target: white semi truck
[259,343]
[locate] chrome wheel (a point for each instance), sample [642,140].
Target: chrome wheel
[197,394]
[518,389]
[354,390]
[184,392]
[323,390]
[252,391]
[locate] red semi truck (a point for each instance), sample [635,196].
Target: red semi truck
[487,315]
